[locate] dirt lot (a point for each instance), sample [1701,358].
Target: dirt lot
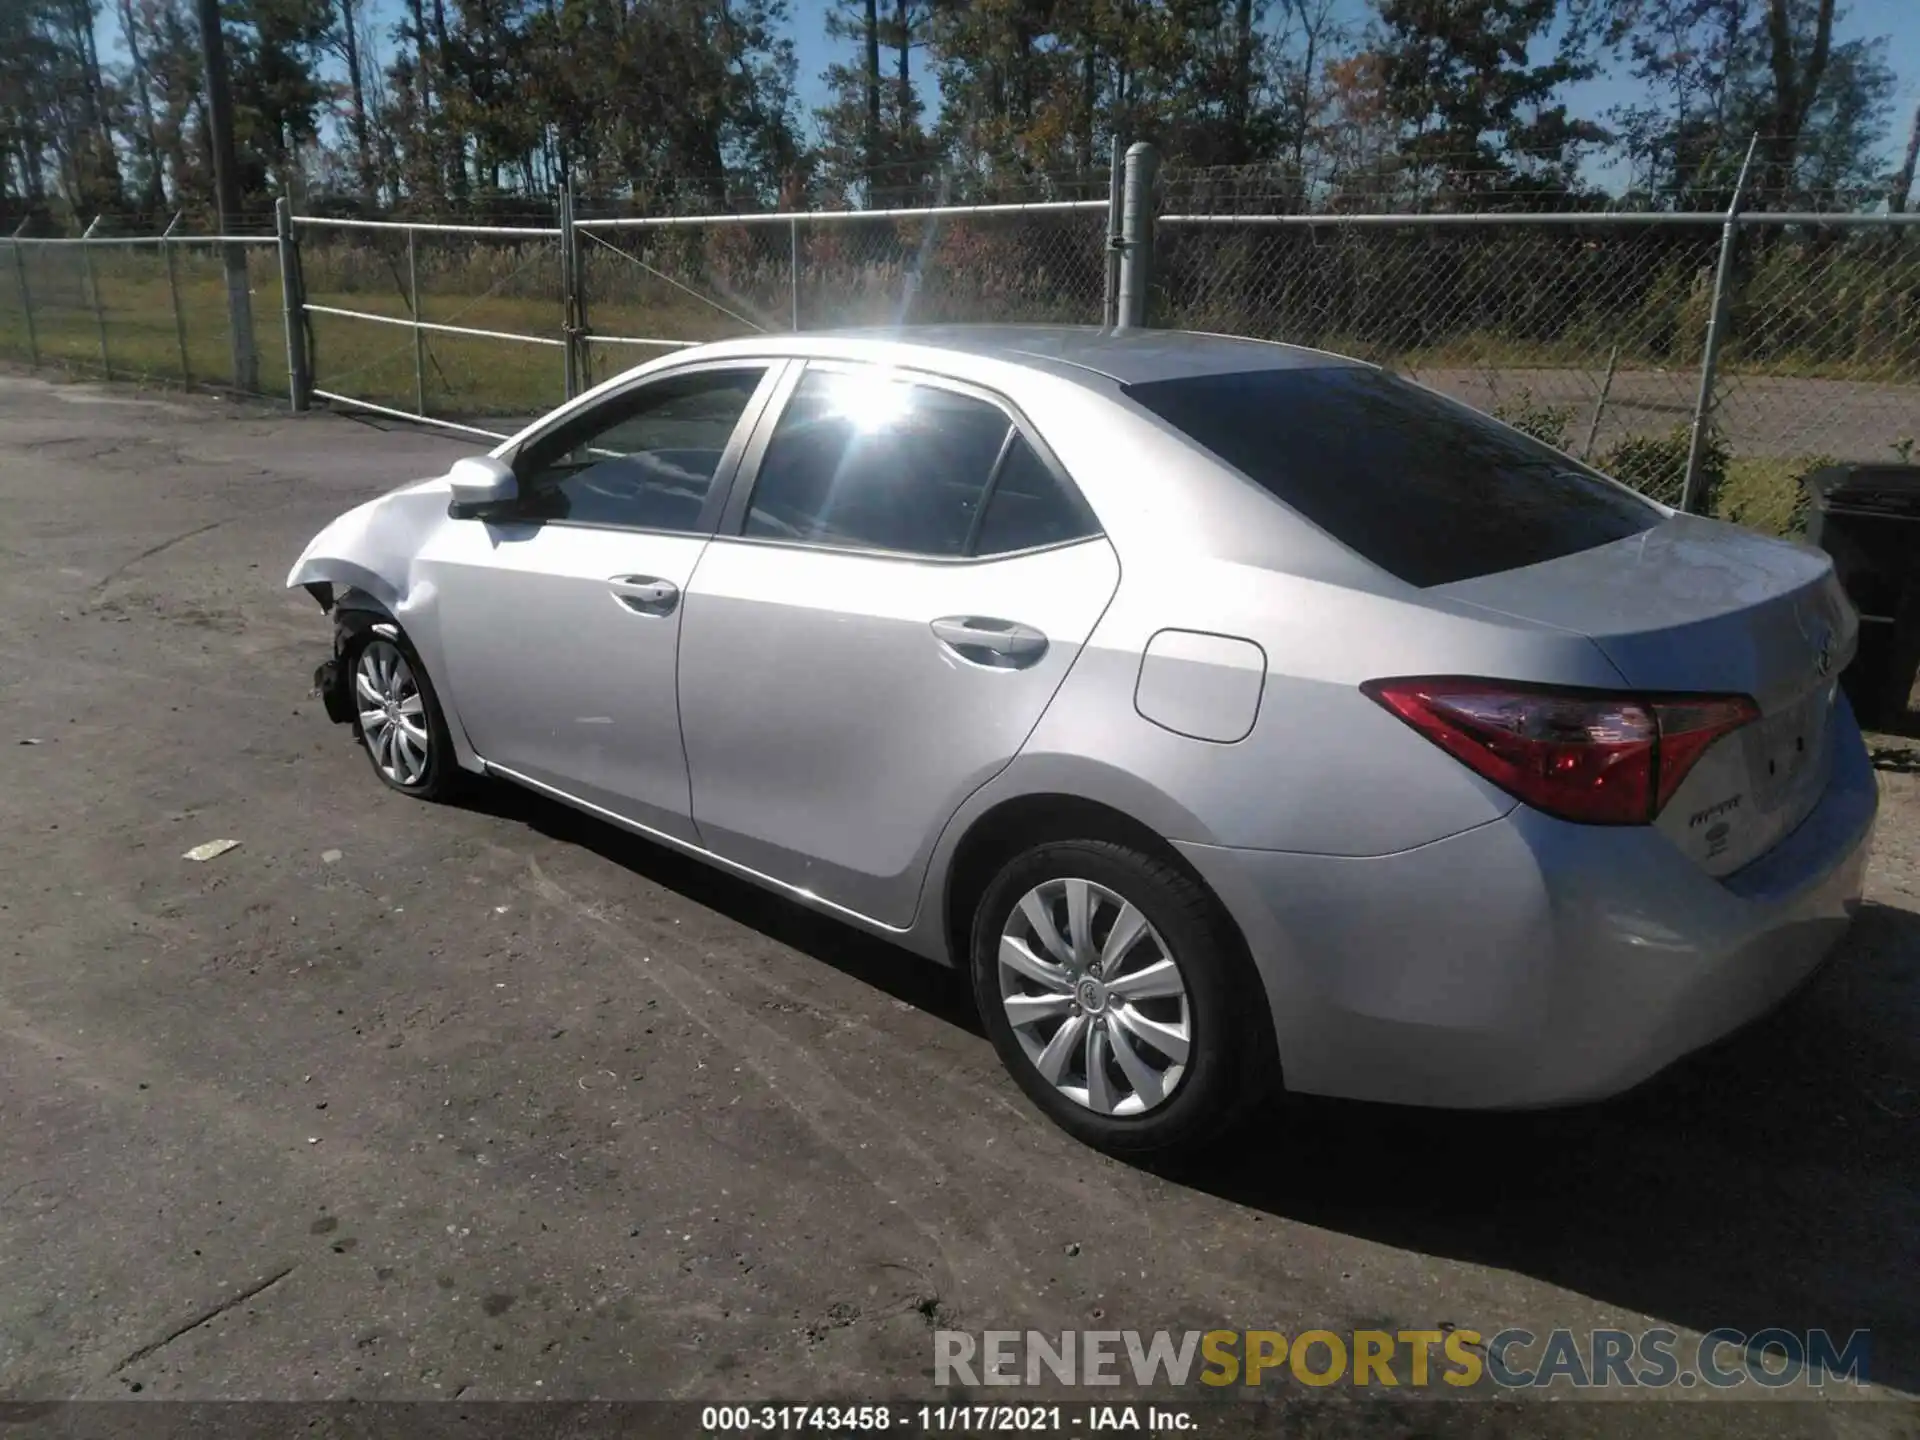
[398,1101]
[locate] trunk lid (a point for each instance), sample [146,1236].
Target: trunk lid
[1694,605]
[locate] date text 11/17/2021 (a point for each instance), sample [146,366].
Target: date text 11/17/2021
[946,1419]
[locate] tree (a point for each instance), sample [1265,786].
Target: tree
[851,141]
[1901,189]
[146,138]
[1303,75]
[1722,72]
[1035,87]
[1797,62]
[346,40]
[273,49]
[1475,107]
[1694,59]
[871,139]
[1836,157]
[27,102]
[177,80]
[1359,134]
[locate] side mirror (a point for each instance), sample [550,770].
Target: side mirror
[480,483]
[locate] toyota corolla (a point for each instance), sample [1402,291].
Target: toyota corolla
[1234,714]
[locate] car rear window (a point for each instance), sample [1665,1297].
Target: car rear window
[1426,488]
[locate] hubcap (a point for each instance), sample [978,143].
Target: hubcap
[393,716]
[1095,997]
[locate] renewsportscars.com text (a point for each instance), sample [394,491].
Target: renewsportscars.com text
[1512,1358]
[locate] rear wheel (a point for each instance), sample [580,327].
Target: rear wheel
[1111,984]
[398,718]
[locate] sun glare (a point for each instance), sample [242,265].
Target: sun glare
[870,402]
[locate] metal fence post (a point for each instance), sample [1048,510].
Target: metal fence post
[1110,300]
[26,295]
[793,266]
[582,322]
[419,337]
[1136,232]
[173,292]
[1692,495]
[569,293]
[93,293]
[293,305]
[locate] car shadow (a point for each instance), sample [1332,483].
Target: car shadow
[1773,1180]
[938,991]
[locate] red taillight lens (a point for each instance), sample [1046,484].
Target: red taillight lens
[1688,725]
[1596,758]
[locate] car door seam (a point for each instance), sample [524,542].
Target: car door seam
[926,873]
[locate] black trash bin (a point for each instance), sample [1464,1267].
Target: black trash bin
[1867,517]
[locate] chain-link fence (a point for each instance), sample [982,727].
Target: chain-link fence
[654,282]
[146,307]
[464,324]
[1821,360]
[1592,330]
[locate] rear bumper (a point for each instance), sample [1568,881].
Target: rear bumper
[1532,962]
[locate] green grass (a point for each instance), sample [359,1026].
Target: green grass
[143,338]
[465,377]
[461,376]
[1766,494]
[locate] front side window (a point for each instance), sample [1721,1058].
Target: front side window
[643,460]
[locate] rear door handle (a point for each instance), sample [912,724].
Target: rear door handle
[645,594]
[985,641]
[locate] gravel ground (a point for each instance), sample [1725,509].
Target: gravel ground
[397,1101]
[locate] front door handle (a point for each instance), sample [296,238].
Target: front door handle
[645,594]
[985,641]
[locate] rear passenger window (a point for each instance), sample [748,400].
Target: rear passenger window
[865,460]
[1030,507]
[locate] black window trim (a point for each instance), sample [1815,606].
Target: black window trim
[734,517]
[776,371]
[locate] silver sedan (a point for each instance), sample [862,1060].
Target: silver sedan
[1229,711]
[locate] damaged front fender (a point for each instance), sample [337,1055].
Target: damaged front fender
[372,547]
[364,569]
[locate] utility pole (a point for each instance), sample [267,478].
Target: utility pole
[226,188]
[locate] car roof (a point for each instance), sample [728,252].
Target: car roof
[1075,352]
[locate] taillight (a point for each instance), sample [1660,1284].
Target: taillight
[1583,755]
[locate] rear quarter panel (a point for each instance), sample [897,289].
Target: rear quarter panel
[1323,769]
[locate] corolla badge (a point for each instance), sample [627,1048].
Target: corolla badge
[1817,631]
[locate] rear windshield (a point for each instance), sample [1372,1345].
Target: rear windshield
[1427,489]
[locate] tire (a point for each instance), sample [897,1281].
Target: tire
[1133,1109]
[419,761]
